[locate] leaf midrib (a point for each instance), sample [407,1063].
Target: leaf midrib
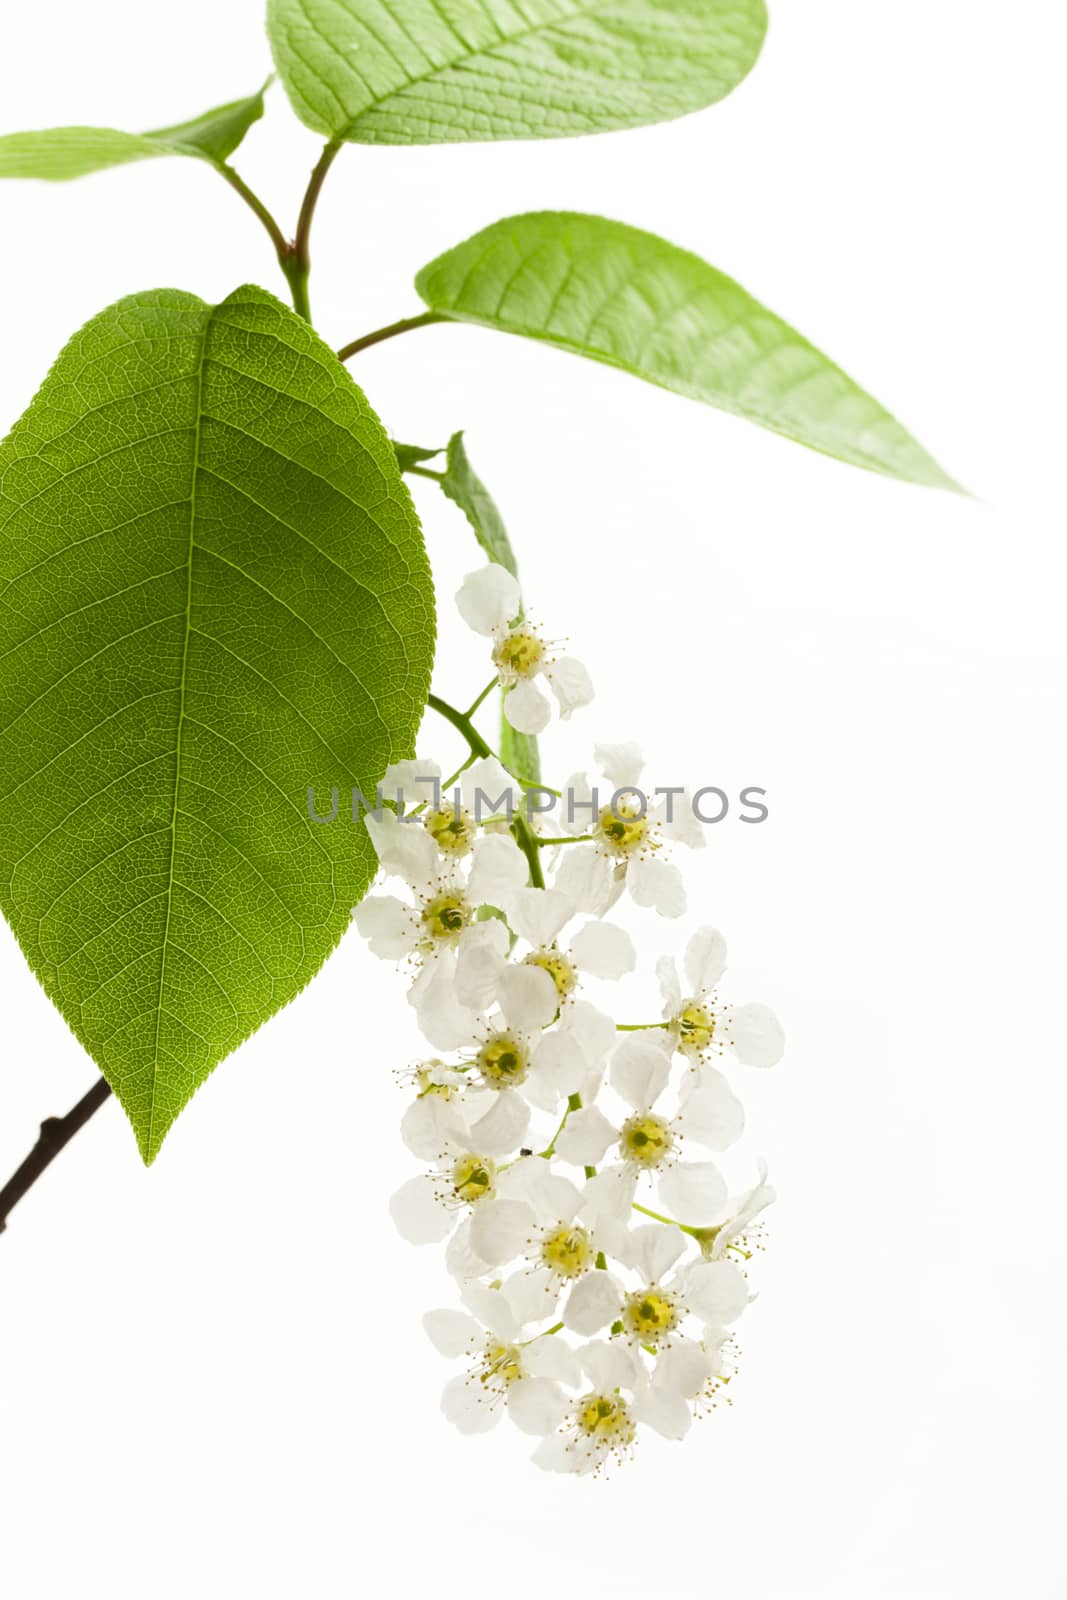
[194,475]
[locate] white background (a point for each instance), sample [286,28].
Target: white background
[213,1379]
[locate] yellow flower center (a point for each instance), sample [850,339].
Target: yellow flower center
[696,1028]
[568,1251]
[452,831]
[605,1418]
[503,1364]
[646,1139]
[649,1315]
[472,1178]
[519,655]
[622,831]
[503,1061]
[559,969]
[445,917]
[425,1084]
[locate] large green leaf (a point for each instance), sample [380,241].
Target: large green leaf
[419,72]
[213,597]
[618,295]
[60,153]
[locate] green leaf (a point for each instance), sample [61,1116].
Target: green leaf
[409,456]
[518,751]
[213,597]
[418,72]
[59,153]
[621,296]
[463,486]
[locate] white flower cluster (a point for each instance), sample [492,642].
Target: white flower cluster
[595,1245]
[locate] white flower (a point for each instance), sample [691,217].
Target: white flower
[699,1024]
[598,949]
[647,1140]
[534,1213]
[489,602]
[571,1057]
[603,1422]
[523,1376]
[466,1139]
[652,1315]
[741,1212]
[626,836]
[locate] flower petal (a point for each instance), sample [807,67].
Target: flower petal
[558,1064]
[528,997]
[488,792]
[453,1333]
[586,1138]
[585,876]
[570,683]
[491,1308]
[500,1229]
[428,1126]
[537,915]
[621,764]
[705,960]
[641,1067]
[445,1023]
[388,925]
[404,849]
[489,599]
[552,1357]
[556,1455]
[594,1303]
[669,986]
[712,1114]
[657,884]
[609,1366]
[480,959]
[594,1030]
[503,1127]
[604,950]
[694,1191]
[469,1406]
[460,1259]
[527,709]
[680,823]
[684,1368]
[418,1213]
[498,868]
[655,1248]
[532,1296]
[536,1405]
[716,1292]
[410,782]
[756,1035]
[609,1195]
[662,1410]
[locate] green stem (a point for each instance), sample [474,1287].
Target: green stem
[639,1027]
[657,1216]
[405,325]
[555,1328]
[574,1103]
[297,262]
[567,838]
[520,828]
[486,692]
[282,247]
[461,722]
